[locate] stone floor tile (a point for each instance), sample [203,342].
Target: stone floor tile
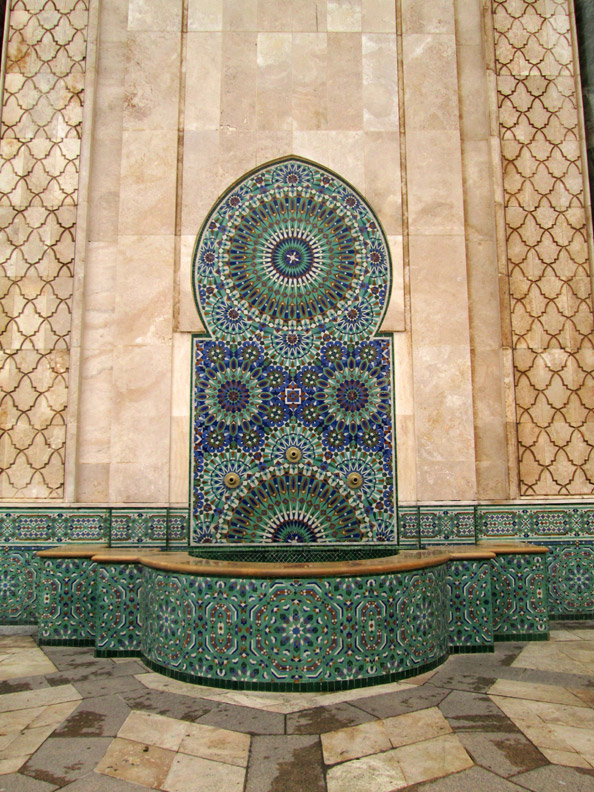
[534,692]
[136,762]
[202,775]
[15,782]
[415,698]
[96,717]
[503,753]
[71,658]
[324,719]
[288,763]
[19,719]
[566,758]
[16,643]
[26,742]
[153,729]
[554,778]
[475,779]
[218,745]
[380,773]
[106,686]
[31,662]
[54,714]
[551,657]
[62,760]
[587,696]
[355,742]
[169,704]
[416,726]
[38,698]
[19,684]
[12,764]
[96,782]
[244,719]
[474,712]
[434,758]
[579,740]
[562,635]
[452,678]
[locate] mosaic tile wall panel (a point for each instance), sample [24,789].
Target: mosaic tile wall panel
[292,409]
[570,570]
[118,593]
[538,522]
[66,600]
[471,608]
[519,592]
[292,632]
[429,525]
[39,161]
[547,248]
[19,569]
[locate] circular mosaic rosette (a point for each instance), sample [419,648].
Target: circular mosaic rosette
[292,249]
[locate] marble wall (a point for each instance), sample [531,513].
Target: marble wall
[417,103]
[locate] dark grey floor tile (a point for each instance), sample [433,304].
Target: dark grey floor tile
[555,778]
[476,779]
[15,782]
[22,683]
[474,712]
[323,719]
[95,717]
[107,685]
[96,782]
[171,704]
[245,719]
[504,753]
[385,705]
[62,760]
[454,678]
[285,764]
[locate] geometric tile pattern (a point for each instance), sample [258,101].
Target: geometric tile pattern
[519,592]
[40,148]
[302,633]
[452,525]
[117,613]
[19,570]
[570,576]
[66,600]
[547,248]
[291,276]
[471,610]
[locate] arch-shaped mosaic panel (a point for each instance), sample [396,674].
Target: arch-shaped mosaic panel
[291,277]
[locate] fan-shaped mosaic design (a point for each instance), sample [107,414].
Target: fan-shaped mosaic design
[291,275]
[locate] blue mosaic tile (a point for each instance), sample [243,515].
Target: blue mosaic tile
[471,610]
[66,600]
[118,593]
[519,591]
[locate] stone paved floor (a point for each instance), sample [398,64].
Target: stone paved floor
[519,719]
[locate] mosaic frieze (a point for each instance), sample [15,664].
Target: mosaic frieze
[434,525]
[471,614]
[294,631]
[39,163]
[66,599]
[519,591]
[292,406]
[547,246]
[118,591]
[570,571]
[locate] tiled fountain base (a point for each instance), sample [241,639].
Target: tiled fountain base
[519,719]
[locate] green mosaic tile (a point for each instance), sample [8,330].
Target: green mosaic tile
[117,614]
[519,590]
[471,613]
[66,600]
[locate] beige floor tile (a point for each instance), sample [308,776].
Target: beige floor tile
[549,657]
[30,663]
[26,742]
[546,712]
[535,692]
[567,758]
[416,726]
[587,696]
[433,758]
[379,773]
[132,761]
[543,736]
[584,634]
[202,775]
[582,652]
[38,698]
[151,729]
[579,740]
[218,745]
[355,742]
[54,714]
[16,643]
[12,765]
[19,719]
[561,635]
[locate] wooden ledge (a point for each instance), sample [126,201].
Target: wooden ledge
[123,555]
[72,551]
[511,548]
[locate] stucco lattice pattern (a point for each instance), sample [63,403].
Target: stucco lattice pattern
[41,131]
[548,266]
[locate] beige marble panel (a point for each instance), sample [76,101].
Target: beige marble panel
[113,21]
[475,121]
[201,185]
[345,81]
[92,482]
[272,16]
[188,318]
[406,461]
[308,16]
[154,15]
[378,16]
[99,295]
[239,81]
[427,16]
[394,319]
[144,290]
[202,104]
[143,482]
[380,82]
[309,100]
[95,407]
[240,15]
[147,197]
[273,102]
[205,15]
[272,144]
[237,155]
[182,366]
[383,186]
[152,81]
[435,182]
[430,82]
[179,468]
[344,16]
